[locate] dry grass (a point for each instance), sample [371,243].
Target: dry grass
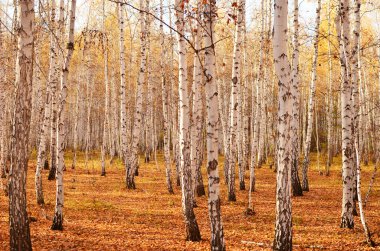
[101,214]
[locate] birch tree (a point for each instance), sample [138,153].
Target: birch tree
[3,115]
[18,216]
[283,225]
[296,184]
[343,30]
[217,235]
[191,225]
[329,97]
[197,120]
[123,97]
[106,94]
[132,160]
[165,105]
[58,211]
[235,82]
[310,112]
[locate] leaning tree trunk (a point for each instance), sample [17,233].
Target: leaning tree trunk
[296,184]
[367,232]
[58,212]
[310,112]
[192,230]
[132,160]
[283,225]
[343,31]
[18,216]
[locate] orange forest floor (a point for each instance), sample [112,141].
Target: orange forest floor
[101,214]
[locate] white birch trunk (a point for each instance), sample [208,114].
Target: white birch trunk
[296,184]
[58,211]
[197,120]
[165,105]
[191,225]
[76,118]
[53,81]
[283,225]
[106,94]
[123,94]
[329,98]
[310,112]
[367,232]
[217,236]
[41,152]
[234,103]
[343,29]
[132,160]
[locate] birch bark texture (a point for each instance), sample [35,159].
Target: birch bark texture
[211,86]
[234,102]
[123,90]
[58,211]
[18,216]
[343,32]
[197,118]
[283,225]
[296,184]
[165,106]
[132,160]
[191,225]
[310,112]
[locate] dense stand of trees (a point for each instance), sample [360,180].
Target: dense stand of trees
[195,80]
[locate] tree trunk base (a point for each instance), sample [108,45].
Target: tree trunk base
[346,223]
[192,232]
[131,183]
[200,190]
[40,201]
[195,204]
[103,173]
[297,192]
[231,197]
[250,212]
[242,185]
[354,210]
[52,173]
[57,223]
[46,165]
[296,188]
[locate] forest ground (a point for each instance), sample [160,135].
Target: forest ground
[101,214]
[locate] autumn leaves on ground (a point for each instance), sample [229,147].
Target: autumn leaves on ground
[101,214]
